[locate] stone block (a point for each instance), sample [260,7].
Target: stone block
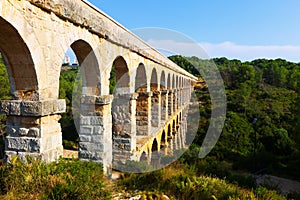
[96,120]
[31,108]
[61,106]
[97,138]
[104,100]
[84,146]
[84,120]
[47,107]
[12,131]
[85,138]
[30,121]
[15,108]
[34,132]
[22,144]
[98,130]
[5,107]
[86,130]
[23,131]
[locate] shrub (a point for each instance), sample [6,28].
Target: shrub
[62,180]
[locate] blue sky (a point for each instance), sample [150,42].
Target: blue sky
[235,29]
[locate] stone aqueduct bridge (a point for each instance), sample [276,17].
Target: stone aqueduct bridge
[145,114]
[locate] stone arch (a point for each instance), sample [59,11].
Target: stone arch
[169,82]
[120,74]
[174,127]
[181,81]
[173,82]
[169,100]
[163,140]
[154,81]
[155,99]
[163,99]
[163,84]
[169,135]
[141,79]
[144,157]
[154,152]
[89,67]
[20,65]
[154,147]
[174,98]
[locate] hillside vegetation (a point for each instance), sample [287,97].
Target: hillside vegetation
[261,131]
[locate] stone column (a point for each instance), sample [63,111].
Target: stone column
[170,102]
[164,105]
[175,138]
[33,129]
[181,97]
[124,128]
[174,100]
[95,134]
[179,136]
[143,114]
[156,108]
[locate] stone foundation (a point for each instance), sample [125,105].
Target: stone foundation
[33,129]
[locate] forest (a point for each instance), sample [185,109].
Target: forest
[261,132]
[260,136]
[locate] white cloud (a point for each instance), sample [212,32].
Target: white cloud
[228,49]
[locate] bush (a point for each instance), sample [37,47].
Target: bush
[176,182]
[63,180]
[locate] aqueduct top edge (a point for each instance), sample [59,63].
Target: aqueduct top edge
[85,14]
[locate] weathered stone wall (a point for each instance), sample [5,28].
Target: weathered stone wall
[155,108]
[170,102]
[164,105]
[95,130]
[124,133]
[143,114]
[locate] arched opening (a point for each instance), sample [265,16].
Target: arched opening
[119,77]
[144,157]
[89,68]
[143,122]
[169,137]
[17,75]
[174,127]
[20,66]
[163,140]
[141,79]
[163,83]
[154,146]
[155,115]
[163,100]
[155,154]
[180,91]
[169,87]
[174,86]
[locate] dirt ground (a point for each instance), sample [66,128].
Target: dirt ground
[70,154]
